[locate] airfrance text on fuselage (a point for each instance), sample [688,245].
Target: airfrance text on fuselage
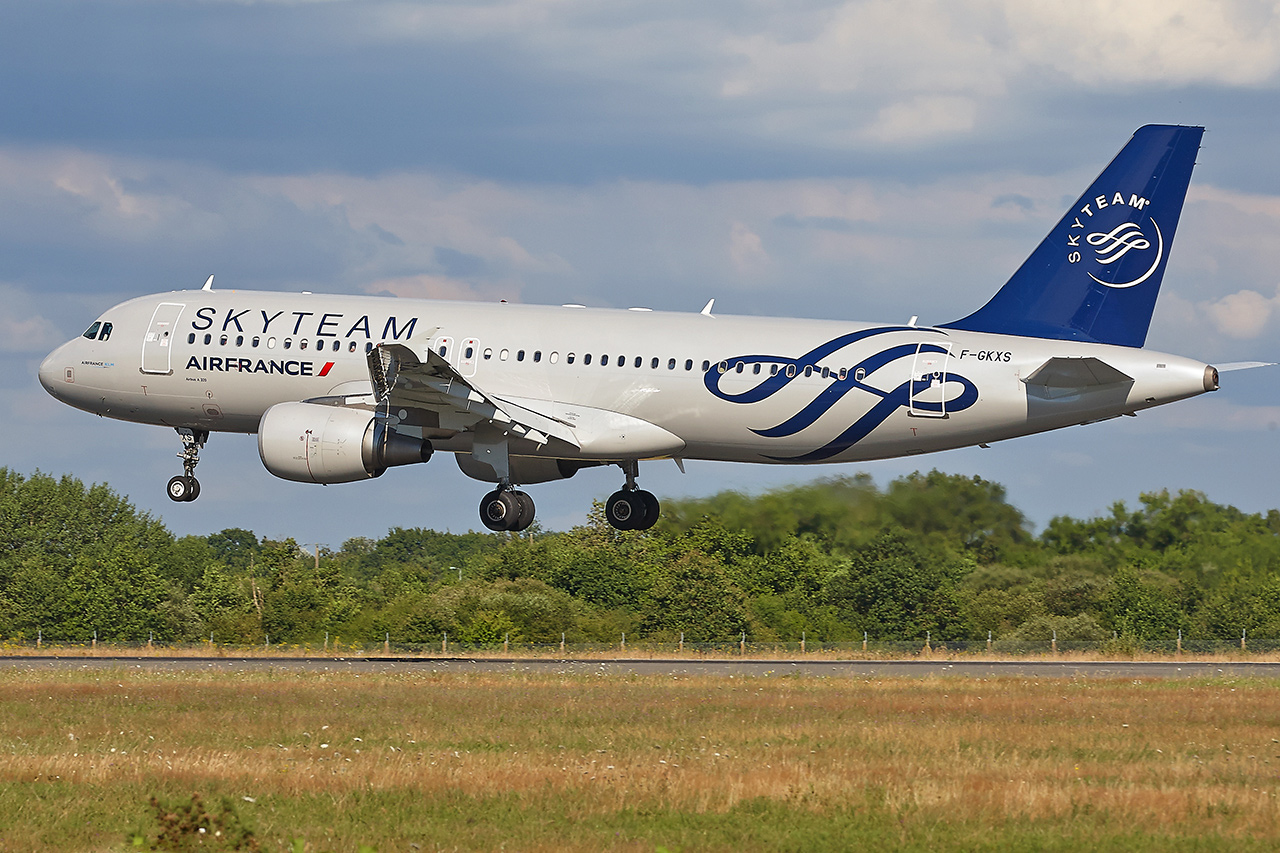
[329,325]
[248,365]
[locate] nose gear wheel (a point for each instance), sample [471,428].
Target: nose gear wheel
[185,487]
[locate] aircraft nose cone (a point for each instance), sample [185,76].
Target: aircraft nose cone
[52,371]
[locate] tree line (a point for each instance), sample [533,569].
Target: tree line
[930,554]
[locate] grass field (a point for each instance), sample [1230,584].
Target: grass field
[446,761]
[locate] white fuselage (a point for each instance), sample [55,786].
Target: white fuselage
[715,387]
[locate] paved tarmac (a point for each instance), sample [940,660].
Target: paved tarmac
[644,666]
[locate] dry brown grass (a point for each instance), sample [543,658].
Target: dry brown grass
[1163,757]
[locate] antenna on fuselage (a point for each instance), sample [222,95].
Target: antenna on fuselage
[706,309]
[208,284]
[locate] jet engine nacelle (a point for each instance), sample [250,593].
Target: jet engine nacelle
[525,470]
[312,443]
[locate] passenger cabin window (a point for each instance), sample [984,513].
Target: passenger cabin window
[271,343]
[502,356]
[351,347]
[256,341]
[106,332]
[92,332]
[488,353]
[208,339]
[520,355]
[554,357]
[191,338]
[569,358]
[288,342]
[604,361]
[239,340]
[586,359]
[222,342]
[444,350]
[302,344]
[368,347]
[537,356]
[671,364]
[706,365]
[470,352]
[639,361]
[653,365]
[688,364]
[337,345]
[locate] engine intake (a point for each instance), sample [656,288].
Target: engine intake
[311,443]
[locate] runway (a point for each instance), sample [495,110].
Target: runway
[726,668]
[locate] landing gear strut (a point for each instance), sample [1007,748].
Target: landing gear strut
[185,487]
[506,509]
[632,508]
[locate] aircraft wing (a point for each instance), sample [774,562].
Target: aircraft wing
[403,380]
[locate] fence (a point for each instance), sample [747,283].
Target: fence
[739,646]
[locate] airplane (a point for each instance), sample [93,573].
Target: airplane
[341,388]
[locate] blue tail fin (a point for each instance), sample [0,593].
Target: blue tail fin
[1097,274]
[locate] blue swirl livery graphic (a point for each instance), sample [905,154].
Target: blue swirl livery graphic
[856,377]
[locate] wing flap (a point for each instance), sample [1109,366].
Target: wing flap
[403,380]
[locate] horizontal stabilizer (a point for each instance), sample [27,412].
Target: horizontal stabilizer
[1243,365]
[1075,373]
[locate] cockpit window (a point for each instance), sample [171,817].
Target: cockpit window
[105,333]
[92,332]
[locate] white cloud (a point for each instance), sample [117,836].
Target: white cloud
[23,328]
[1218,413]
[1242,315]
[430,287]
[747,250]
[1222,268]
[857,72]
[923,118]
[867,46]
[1102,43]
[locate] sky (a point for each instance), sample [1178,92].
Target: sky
[844,160]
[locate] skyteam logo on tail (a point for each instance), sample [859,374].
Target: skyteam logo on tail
[1121,241]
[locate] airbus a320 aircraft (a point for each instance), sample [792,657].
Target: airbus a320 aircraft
[340,388]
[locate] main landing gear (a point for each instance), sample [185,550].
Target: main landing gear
[632,508]
[185,487]
[506,509]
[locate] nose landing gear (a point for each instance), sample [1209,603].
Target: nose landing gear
[186,487]
[632,508]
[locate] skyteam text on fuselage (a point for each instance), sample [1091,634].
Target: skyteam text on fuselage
[340,388]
